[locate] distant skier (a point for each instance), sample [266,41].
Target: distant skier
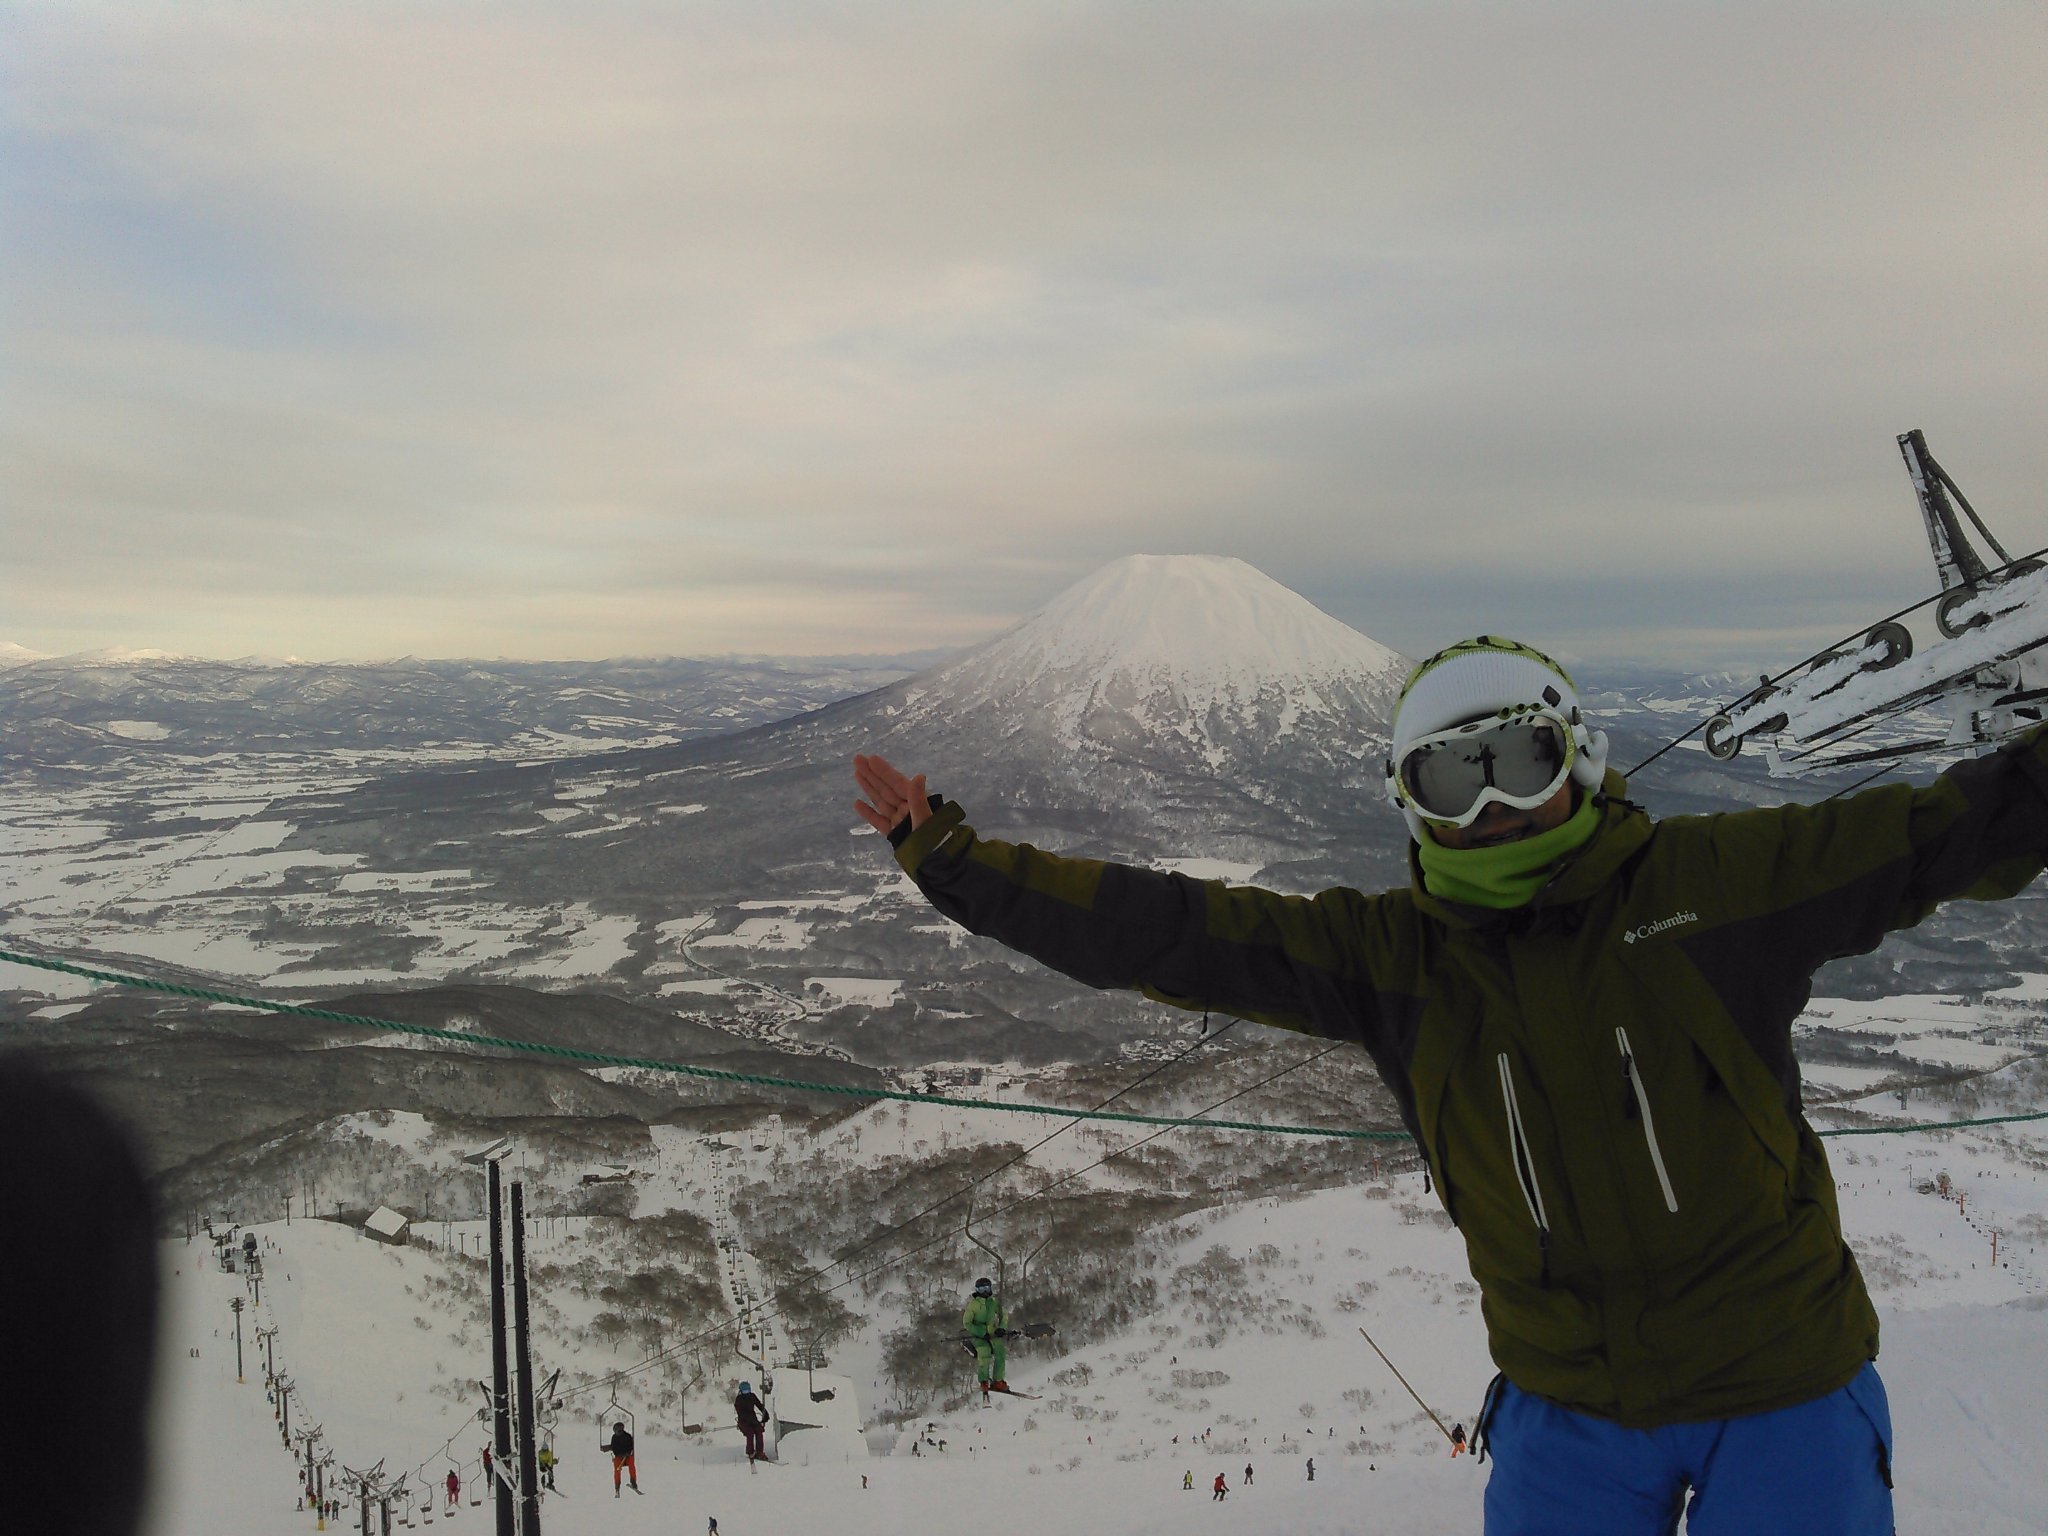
[986,1328]
[1187,1480]
[1247,1474]
[621,1447]
[487,1468]
[454,1487]
[752,1416]
[1457,1440]
[546,1462]
[1311,1469]
[1221,1488]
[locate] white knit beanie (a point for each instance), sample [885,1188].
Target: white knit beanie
[1483,676]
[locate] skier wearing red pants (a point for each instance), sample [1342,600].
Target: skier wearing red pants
[621,1447]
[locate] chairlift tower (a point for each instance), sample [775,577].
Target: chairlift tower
[500,1389]
[1982,666]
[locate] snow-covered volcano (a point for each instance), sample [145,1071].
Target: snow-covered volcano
[1189,660]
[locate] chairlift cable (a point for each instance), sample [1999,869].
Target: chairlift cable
[1868,778]
[605,1059]
[763,1315]
[1193,1121]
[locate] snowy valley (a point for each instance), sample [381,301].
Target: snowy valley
[668,882]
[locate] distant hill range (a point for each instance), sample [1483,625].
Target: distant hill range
[104,707]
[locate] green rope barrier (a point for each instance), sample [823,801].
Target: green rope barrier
[1931,1125]
[795,1085]
[713,1074]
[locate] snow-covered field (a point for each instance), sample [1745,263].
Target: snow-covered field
[1261,1364]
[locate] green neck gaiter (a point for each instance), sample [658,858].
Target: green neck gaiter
[1509,874]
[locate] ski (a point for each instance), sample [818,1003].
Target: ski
[1029,1397]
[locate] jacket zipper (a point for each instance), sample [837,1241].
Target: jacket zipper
[1525,1168]
[1638,1099]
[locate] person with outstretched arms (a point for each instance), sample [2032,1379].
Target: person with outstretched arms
[1584,1016]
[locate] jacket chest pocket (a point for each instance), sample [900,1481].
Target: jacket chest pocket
[1687,1144]
[1636,1106]
[1695,1096]
[1522,1157]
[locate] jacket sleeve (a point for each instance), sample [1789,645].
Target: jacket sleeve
[1779,892]
[1832,879]
[1297,962]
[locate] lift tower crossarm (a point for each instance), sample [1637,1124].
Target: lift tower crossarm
[1955,558]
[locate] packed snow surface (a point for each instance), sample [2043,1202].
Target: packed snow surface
[1270,1377]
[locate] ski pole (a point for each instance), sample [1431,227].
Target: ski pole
[1439,1423]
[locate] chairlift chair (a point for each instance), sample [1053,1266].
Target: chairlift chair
[615,1412]
[1029,1330]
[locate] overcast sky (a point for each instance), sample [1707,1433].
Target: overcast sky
[580,329]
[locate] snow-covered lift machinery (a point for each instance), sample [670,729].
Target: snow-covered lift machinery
[1977,658]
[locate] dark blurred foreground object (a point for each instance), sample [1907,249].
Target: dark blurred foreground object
[78,1292]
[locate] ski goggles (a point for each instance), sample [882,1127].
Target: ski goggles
[1450,777]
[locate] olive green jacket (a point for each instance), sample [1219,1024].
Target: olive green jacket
[1602,1081]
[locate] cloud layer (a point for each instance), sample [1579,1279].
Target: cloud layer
[598,329]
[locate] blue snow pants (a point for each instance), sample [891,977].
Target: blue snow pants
[1821,1468]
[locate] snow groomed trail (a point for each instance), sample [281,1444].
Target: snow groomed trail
[1965,1359]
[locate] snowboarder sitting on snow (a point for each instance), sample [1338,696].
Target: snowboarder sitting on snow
[1584,1017]
[986,1328]
[752,1416]
[621,1447]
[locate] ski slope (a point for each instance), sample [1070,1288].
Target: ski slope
[1263,1360]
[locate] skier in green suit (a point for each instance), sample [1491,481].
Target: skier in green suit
[986,1328]
[1584,1017]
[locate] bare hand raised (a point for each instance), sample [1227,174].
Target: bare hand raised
[889,794]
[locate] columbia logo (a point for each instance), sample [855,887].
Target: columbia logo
[1651,930]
